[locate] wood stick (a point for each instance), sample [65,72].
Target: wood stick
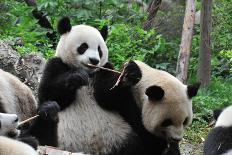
[111,70]
[119,78]
[27,120]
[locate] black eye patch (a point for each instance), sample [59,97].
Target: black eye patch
[166,123]
[100,51]
[81,49]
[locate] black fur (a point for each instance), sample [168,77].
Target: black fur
[60,82]
[192,89]
[57,90]
[45,127]
[120,99]
[216,113]
[155,93]
[104,32]
[32,141]
[219,141]
[64,25]
[2,109]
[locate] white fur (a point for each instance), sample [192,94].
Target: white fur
[69,42]
[228,152]
[175,105]
[13,147]
[9,123]
[86,127]
[16,97]
[224,118]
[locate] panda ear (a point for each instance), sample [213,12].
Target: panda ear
[154,93]
[104,32]
[193,89]
[64,25]
[216,113]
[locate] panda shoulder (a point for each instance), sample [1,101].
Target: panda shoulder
[55,64]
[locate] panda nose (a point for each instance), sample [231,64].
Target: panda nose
[93,61]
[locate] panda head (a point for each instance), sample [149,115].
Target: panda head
[8,125]
[81,44]
[223,117]
[165,102]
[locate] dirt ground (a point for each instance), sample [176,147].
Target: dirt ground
[191,149]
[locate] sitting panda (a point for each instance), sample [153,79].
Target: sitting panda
[16,97]
[94,119]
[219,140]
[154,103]
[81,125]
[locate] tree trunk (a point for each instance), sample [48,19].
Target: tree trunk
[152,9]
[204,60]
[186,40]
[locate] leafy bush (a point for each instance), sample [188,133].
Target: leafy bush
[127,42]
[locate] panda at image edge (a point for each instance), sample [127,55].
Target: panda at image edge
[219,139]
[11,143]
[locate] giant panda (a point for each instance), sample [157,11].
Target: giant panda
[8,125]
[10,136]
[157,105]
[94,119]
[81,125]
[219,139]
[16,97]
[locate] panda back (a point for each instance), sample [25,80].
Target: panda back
[16,97]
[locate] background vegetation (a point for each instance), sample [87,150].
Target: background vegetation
[158,47]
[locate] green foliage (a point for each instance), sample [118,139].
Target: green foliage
[218,95]
[127,42]
[222,22]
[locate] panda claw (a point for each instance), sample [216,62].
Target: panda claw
[132,73]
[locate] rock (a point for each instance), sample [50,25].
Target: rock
[8,57]
[27,68]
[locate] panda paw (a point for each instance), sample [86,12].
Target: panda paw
[49,111]
[77,79]
[132,74]
[32,141]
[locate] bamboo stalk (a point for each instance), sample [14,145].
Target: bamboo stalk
[111,70]
[119,78]
[27,120]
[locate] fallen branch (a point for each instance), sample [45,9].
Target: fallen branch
[27,120]
[103,68]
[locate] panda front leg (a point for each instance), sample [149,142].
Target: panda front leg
[44,128]
[110,97]
[60,83]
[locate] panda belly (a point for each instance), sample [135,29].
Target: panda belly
[86,127]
